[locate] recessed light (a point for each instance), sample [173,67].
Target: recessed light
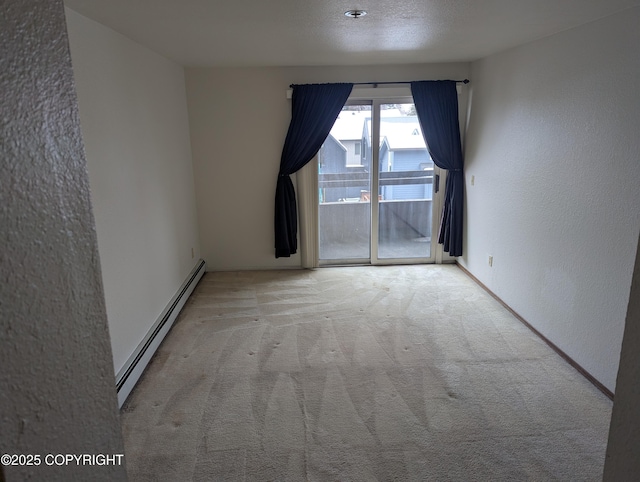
[355,13]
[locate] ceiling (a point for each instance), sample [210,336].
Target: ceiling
[316,32]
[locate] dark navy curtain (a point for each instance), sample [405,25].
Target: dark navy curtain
[314,109]
[436,104]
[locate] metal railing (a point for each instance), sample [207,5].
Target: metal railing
[357,179]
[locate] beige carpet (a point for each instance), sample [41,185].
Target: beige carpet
[407,373]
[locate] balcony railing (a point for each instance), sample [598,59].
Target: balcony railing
[357,179]
[345,219]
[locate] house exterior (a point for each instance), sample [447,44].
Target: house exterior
[348,129]
[402,149]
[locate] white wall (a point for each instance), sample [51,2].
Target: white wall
[57,387]
[135,126]
[239,119]
[553,144]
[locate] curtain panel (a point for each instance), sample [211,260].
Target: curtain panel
[314,109]
[436,104]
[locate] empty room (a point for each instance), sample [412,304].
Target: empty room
[320,240]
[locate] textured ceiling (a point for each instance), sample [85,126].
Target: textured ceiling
[316,32]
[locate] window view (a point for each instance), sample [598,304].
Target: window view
[403,196]
[344,213]
[406,182]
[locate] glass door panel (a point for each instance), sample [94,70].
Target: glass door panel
[405,185]
[344,188]
[375,187]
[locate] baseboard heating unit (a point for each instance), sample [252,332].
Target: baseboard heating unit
[130,373]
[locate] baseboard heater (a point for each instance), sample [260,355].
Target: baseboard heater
[130,373]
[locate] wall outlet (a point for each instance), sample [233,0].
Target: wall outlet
[192,253]
[473,180]
[490,261]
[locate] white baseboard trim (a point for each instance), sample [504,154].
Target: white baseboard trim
[130,373]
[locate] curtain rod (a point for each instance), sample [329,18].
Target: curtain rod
[376,84]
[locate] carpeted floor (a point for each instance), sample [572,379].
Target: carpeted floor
[407,373]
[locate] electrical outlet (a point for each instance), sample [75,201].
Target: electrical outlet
[473,180]
[192,253]
[490,261]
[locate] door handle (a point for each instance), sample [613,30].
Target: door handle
[437,183]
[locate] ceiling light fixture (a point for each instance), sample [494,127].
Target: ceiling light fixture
[355,13]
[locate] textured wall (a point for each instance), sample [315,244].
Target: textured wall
[133,113]
[56,383]
[239,119]
[553,145]
[622,462]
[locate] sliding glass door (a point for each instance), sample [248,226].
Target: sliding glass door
[344,188]
[375,187]
[405,183]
